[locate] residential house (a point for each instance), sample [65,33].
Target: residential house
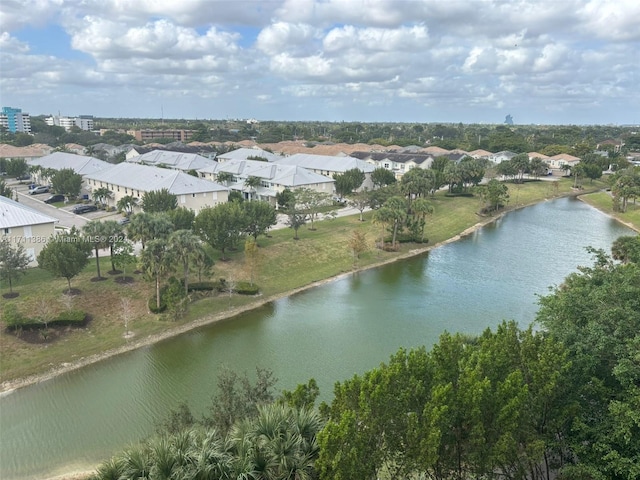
[135,180]
[541,156]
[398,163]
[501,156]
[174,160]
[615,144]
[199,148]
[29,152]
[274,178]
[248,154]
[435,151]
[562,159]
[455,157]
[480,154]
[80,164]
[147,135]
[26,226]
[74,148]
[329,165]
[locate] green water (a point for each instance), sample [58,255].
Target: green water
[329,333]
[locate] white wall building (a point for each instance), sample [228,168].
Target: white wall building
[135,180]
[328,165]
[274,178]
[83,122]
[26,226]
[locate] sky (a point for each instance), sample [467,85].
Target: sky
[542,61]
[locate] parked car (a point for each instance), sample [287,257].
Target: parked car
[39,189]
[23,177]
[55,198]
[84,208]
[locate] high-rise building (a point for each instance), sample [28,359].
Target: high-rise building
[83,122]
[14,120]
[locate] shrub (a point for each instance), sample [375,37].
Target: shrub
[14,320]
[153,307]
[221,285]
[12,317]
[202,286]
[69,317]
[245,288]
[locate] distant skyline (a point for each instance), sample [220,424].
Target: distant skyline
[475,61]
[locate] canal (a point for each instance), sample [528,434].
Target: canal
[329,333]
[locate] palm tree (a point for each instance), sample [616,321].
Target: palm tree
[114,234]
[421,208]
[185,247]
[126,204]
[225,178]
[279,443]
[96,234]
[397,207]
[208,456]
[136,463]
[251,183]
[101,195]
[155,261]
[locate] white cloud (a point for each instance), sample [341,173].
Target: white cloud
[12,44]
[352,54]
[16,14]
[295,39]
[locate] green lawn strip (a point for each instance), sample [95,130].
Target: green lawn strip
[285,265]
[602,201]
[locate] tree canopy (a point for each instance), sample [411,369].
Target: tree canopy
[158,201]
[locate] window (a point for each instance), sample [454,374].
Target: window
[193,195]
[7,231]
[183,199]
[27,231]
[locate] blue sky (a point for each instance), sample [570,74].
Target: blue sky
[542,61]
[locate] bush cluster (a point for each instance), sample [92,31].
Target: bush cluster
[245,288]
[15,320]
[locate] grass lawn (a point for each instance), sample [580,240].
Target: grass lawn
[602,201]
[284,264]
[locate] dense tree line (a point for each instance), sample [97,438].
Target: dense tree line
[546,139]
[557,401]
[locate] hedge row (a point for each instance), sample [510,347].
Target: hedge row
[15,320]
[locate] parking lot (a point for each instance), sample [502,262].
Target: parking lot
[64,215]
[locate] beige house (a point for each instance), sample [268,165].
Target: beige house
[135,180]
[29,152]
[539,155]
[558,161]
[274,178]
[26,226]
[480,154]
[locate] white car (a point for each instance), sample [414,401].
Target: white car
[39,189]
